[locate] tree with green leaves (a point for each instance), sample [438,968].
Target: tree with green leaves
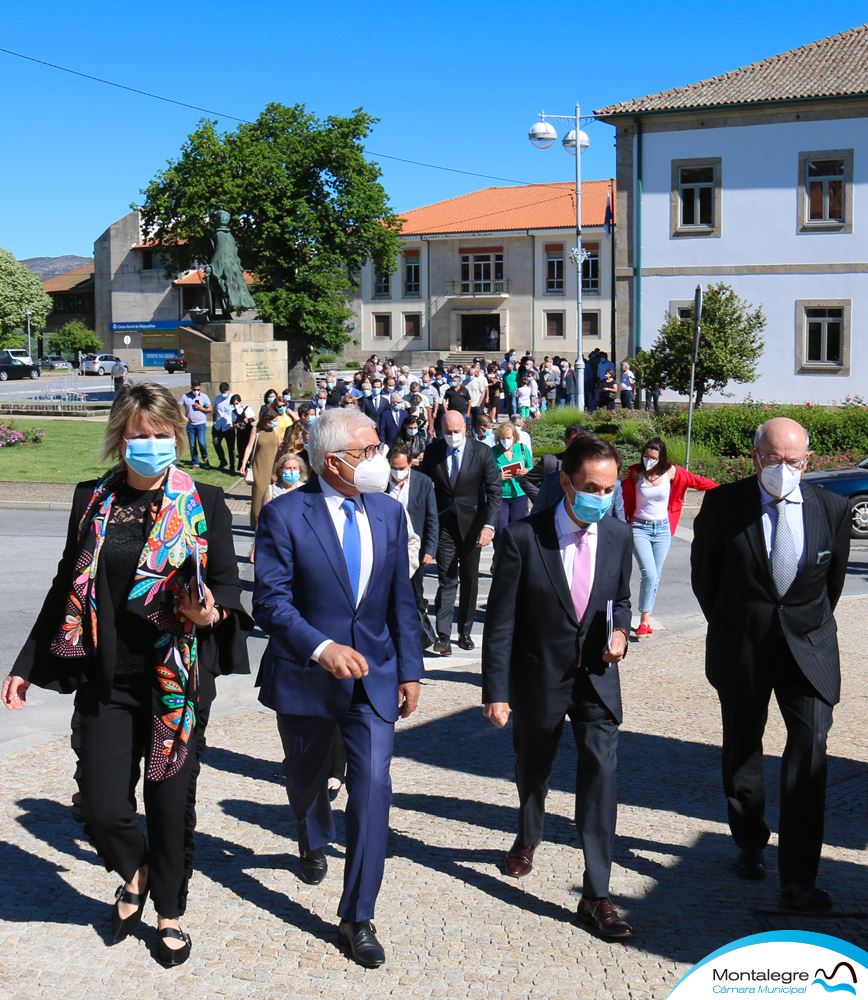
[73,337]
[307,210]
[20,290]
[730,346]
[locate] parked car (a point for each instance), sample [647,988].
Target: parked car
[13,368]
[851,483]
[54,362]
[18,353]
[173,365]
[99,364]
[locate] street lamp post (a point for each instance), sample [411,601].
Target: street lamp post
[542,135]
[29,351]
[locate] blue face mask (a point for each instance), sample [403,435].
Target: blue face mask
[311,418]
[281,409]
[591,507]
[150,456]
[290,476]
[377,390]
[366,393]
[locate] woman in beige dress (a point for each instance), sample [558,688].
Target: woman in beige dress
[261,452]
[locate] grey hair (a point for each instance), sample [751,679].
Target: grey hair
[396,397]
[331,433]
[760,435]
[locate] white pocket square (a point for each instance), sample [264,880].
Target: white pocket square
[823,557]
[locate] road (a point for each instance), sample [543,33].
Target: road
[97,389]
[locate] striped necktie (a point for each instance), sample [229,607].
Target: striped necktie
[783,558]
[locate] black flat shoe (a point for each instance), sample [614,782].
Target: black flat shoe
[359,939]
[750,864]
[123,926]
[173,956]
[799,898]
[314,866]
[465,642]
[442,647]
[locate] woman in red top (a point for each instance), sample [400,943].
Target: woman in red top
[653,500]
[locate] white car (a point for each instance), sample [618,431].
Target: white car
[18,353]
[99,364]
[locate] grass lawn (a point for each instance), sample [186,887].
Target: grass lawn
[70,452]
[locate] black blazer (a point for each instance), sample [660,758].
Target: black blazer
[733,583]
[386,426]
[532,482]
[422,508]
[476,498]
[221,651]
[373,406]
[533,646]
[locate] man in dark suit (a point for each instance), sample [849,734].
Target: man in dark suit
[332,591]
[769,560]
[376,404]
[468,488]
[392,420]
[548,464]
[415,492]
[557,625]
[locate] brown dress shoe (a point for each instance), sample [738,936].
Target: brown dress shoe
[604,918]
[519,861]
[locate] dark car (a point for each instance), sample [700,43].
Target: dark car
[173,365]
[12,368]
[54,362]
[851,483]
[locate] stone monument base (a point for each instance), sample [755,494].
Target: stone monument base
[244,354]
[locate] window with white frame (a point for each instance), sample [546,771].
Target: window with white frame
[826,191]
[823,336]
[554,270]
[591,269]
[382,286]
[482,273]
[696,200]
[383,325]
[411,274]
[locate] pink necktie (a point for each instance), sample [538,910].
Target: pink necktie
[581,585]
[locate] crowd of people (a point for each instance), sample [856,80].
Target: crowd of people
[356,493]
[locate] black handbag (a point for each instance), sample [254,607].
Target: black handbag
[426,631]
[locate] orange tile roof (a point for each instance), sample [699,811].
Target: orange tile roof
[504,209]
[198,278]
[71,279]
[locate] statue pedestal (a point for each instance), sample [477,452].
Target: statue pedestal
[243,354]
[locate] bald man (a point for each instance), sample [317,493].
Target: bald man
[769,560]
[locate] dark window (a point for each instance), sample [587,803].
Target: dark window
[555,271]
[413,325]
[824,340]
[411,276]
[481,274]
[554,324]
[825,187]
[590,324]
[382,325]
[696,191]
[381,286]
[591,270]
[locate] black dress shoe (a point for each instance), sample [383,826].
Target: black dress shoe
[750,864]
[601,916]
[173,956]
[465,642]
[314,866]
[123,926]
[359,939]
[442,647]
[803,898]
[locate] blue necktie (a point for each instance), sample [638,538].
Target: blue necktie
[352,547]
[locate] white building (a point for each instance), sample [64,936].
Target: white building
[490,271]
[758,178]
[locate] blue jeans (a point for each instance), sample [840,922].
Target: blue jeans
[651,541]
[197,435]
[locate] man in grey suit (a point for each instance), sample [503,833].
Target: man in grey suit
[557,625]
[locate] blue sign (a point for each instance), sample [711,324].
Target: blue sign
[155,359]
[157,324]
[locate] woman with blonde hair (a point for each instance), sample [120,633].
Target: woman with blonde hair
[144,612]
[290,471]
[262,452]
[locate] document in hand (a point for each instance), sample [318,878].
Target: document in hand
[200,584]
[610,625]
[513,467]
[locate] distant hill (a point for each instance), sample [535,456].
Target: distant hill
[50,267]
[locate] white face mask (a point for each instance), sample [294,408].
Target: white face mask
[780,480]
[399,475]
[649,463]
[454,440]
[371,475]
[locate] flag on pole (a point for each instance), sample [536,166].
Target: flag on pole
[607,221]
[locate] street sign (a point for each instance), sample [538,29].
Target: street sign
[127,340]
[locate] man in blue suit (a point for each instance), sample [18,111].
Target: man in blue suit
[392,420]
[332,591]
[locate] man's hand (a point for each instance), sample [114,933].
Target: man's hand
[343,661]
[485,537]
[14,694]
[427,559]
[497,713]
[617,647]
[408,698]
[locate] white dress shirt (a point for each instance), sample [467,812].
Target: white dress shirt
[399,491]
[795,519]
[333,501]
[567,531]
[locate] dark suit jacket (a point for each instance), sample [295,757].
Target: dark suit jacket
[373,406]
[222,651]
[301,597]
[422,508]
[733,583]
[545,466]
[533,646]
[386,426]
[476,498]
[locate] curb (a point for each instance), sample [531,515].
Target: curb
[35,505]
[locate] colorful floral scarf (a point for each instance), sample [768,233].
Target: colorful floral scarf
[178,528]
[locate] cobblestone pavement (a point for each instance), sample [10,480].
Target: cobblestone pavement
[452,924]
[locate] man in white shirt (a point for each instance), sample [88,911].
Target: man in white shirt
[223,431]
[628,386]
[517,422]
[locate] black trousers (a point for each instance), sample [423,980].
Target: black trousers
[457,564]
[110,738]
[808,720]
[219,438]
[596,735]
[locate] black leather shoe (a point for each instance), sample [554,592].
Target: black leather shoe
[750,864]
[465,642]
[442,647]
[802,898]
[314,866]
[173,956]
[123,926]
[359,939]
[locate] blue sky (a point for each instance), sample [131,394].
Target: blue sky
[454,84]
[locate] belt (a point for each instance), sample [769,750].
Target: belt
[642,520]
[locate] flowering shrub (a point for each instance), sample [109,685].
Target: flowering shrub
[11,436]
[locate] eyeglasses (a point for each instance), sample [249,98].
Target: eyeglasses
[775,463]
[366,453]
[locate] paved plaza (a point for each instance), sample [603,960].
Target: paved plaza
[453,925]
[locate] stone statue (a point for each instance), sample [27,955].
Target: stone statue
[224,276]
